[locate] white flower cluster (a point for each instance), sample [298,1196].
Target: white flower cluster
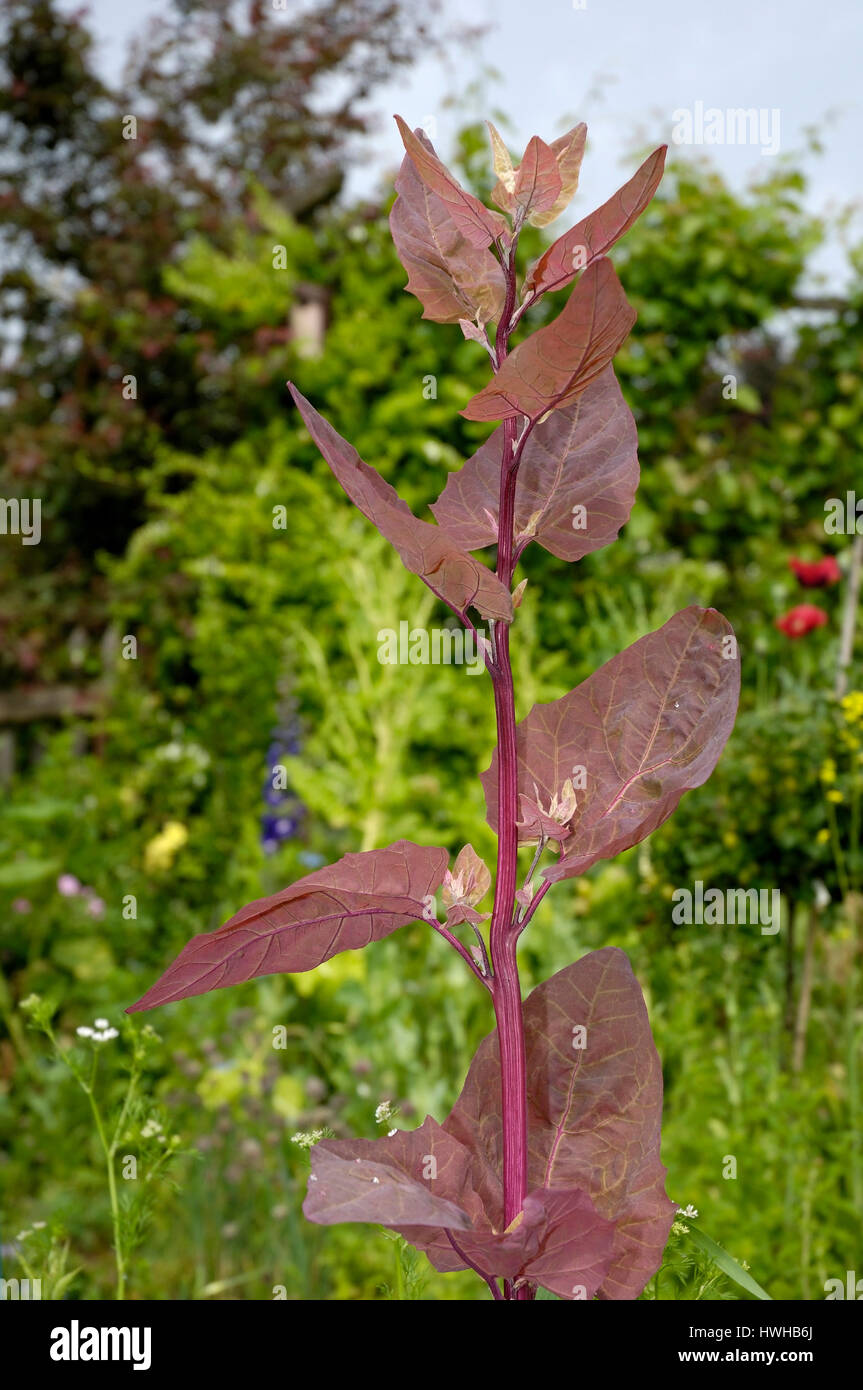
[306,1140]
[385,1112]
[678,1227]
[193,755]
[37,1226]
[99,1033]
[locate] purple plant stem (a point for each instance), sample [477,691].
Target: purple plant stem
[506,989]
[463,952]
[533,905]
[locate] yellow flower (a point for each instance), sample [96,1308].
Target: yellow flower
[823,837]
[852,707]
[835,796]
[730,838]
[160,852]
[828,770]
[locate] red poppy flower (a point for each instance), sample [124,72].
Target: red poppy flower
[814,574]
[802,619]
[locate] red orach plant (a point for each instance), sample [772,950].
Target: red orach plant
[797,622]
[547,1172]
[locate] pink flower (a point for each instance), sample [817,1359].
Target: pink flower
[95,907]
[68,886]
[22,905]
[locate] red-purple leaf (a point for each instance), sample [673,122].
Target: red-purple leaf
[557,362]
[445,1171]
[596,1217]
[452,279]
[382,1180]
[578,1247]
[646,727]
[342,907]
[424,1183]
[426,550]
[569,152]
[497,1254]
[502,193]
[476,222]
[467,882]
[594,235]
[561,1241]
[460,913]
[594,1111]
[552,820]
[576,481]
[566,152]
[537,181]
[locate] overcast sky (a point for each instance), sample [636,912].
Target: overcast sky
[626,67]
